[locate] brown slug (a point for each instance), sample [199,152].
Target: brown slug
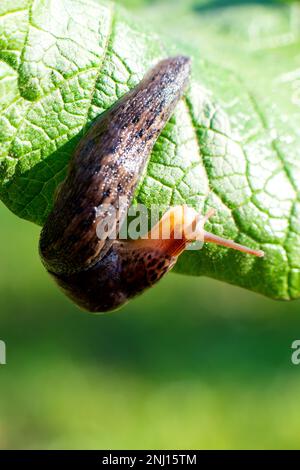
[101,274]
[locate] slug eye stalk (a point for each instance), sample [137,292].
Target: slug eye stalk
[101,274]
[185,225]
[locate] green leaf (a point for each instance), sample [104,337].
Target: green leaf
[233,142]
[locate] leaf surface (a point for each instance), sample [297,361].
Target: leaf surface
[233,142]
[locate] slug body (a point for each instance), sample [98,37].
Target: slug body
[101,274]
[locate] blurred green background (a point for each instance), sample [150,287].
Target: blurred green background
[193,363]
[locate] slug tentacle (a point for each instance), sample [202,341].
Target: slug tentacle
[102,273]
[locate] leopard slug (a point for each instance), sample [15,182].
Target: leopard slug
[102,273]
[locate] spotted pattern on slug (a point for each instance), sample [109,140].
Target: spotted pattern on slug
[102,274]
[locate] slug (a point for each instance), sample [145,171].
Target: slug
[102,273]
